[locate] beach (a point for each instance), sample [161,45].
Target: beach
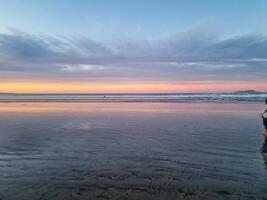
[131,150]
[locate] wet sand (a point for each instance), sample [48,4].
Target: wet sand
[131,151]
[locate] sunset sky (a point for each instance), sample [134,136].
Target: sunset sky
[140,46]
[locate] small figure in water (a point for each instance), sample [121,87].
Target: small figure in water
[264,117]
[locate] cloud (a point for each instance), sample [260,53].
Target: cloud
[192,54]
[25,47]
[78,68]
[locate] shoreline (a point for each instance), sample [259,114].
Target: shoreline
[123,101]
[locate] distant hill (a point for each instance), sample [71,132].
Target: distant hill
[248,92]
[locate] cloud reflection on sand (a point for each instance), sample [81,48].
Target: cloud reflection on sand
[131,151]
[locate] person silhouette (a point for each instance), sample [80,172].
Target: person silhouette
[264,117]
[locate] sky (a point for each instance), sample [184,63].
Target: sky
[141,46]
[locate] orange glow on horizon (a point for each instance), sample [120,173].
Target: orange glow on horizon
[128,88]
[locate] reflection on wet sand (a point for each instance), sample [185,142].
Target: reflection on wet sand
[264,153]
[130,151]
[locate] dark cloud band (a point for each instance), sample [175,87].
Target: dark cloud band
[184,56]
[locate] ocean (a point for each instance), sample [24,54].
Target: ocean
[179,97]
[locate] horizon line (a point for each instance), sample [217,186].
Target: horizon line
[136,93]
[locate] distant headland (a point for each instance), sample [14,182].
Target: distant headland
[248,92]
